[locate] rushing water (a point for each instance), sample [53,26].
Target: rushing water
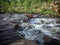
[36,28]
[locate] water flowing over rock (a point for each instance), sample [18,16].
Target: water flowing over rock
[15,18]
[42,27]
[36,29]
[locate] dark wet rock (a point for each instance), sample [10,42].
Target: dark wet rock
[47,39]
[20,28]
[50,41]
[27,26]
[8,32]
[59,11]
[42,21]
[53,42]
[15,18]
[11,39]
[58,32]
[8,37]
[8,26]
[58,21]
[24,18]
[57,25]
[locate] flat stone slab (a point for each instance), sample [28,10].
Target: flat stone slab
[24,42]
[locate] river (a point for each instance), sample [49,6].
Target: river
[35,28]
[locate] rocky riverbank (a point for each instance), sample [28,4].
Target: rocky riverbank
[29,28]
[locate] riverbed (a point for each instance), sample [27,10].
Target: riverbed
[35,28]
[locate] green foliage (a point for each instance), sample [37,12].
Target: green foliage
[25,6]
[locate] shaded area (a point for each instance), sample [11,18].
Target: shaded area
[8,31]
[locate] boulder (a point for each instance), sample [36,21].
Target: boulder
[8,32]
[58,21]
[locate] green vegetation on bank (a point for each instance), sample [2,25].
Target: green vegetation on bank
[29,6]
